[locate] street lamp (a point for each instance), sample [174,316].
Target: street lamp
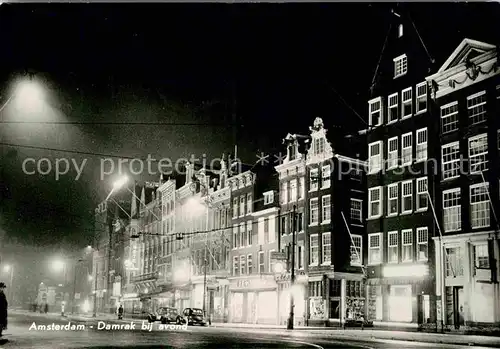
[58,266]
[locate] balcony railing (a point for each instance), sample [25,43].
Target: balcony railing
[145,277]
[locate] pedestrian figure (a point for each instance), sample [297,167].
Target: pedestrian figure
[3,309]
[46,308]
[120,312]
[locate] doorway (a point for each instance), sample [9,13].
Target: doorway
[458,306]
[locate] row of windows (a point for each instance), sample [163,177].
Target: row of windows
[400,246]
[400,198]
[400,105]
[476,112]
[240,202]
[479,207]
[454,259]
[243,264]
[315,179]
[326,210]
[400,151]
[451,160]
[292,191]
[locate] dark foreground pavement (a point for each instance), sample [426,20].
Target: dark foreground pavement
[19,335]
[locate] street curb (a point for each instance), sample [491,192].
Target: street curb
[338,334]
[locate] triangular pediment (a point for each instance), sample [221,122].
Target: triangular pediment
[468,49]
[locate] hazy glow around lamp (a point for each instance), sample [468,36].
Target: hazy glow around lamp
[29,96]
[57,265]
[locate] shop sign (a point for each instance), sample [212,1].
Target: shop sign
[253,283]
[243,283]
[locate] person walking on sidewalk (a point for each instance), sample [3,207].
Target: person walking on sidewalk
[46,308]
[120,312]
[3,309]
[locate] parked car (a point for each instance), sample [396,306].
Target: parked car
[194,316]
[165,315]
[359,322]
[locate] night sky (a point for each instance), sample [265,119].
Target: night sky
[275,67]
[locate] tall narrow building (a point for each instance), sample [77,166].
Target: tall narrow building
[465,102]
[400,223]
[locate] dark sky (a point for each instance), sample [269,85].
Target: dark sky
[275,67]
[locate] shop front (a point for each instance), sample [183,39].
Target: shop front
[336,299]
[285,292]
[253,300]
[400,297]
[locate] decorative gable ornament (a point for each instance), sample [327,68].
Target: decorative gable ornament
[318,136]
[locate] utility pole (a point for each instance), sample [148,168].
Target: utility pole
[292,279]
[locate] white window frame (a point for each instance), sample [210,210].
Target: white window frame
[449,117]
[249,203]
[421,95]
[326,176]
[271,264]
[301,189]
[476,112]
[450,160]
[268,197]
[391,198]
[313,250]
[407,149]
[325,219]
[421,188]
[378,214]
[326,249]
[356,251]
[483,247]
[392,153]
[452,205]
[249,229]
[243,264]
[263,264]
[236,237]
[405,194]
[400,66]
[392,245]
[372,111]
[235,207]
[478,159]
[408,234]
[313,175]
[375,161]
[311,201]
[293,190]
[243,201]
[380,244]
[236,265]
[421,138]
[392,108]
[355,211]
[480,215]
[422,240]
[249,264]
[406,101]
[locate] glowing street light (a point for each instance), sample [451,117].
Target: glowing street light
[57,265]
[120,182]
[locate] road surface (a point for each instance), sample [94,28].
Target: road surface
[85,334]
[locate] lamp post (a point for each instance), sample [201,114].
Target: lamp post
[74,287]
[292,278]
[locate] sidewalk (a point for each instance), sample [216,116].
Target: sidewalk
[374,334]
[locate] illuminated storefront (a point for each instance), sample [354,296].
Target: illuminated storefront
[299,300]
[253,300]
[334,300]
[402,295]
